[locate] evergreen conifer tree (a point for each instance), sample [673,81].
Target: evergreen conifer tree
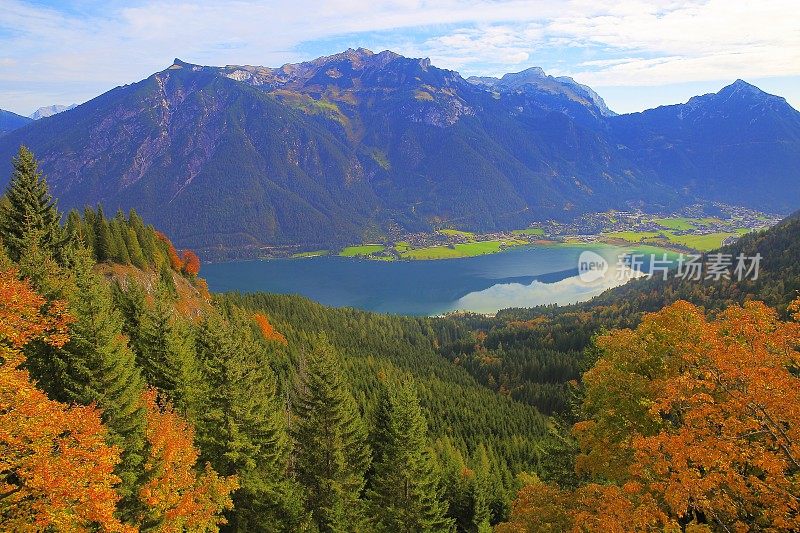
[97,366]
[481,491]
[89,226]
[145,236]
[118,229]
[74,228]
[134,248]
[104,240]
[29,210]
[405,489]
[166,353]
[241,429]
[130,300]
[332,454]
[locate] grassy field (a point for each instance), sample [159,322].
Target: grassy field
[633,236]
[686,223]
[315,253]
[364,249]
[470,249]
[452,232]
[677,223]
[702,243]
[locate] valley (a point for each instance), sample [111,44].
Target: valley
[694,229]
[363,292]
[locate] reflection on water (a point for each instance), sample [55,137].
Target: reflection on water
[521,277]
[566,291]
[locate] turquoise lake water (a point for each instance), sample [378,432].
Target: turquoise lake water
[520,277]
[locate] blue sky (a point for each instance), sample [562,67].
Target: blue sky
[636,54]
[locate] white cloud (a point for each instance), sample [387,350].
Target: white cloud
[628,43]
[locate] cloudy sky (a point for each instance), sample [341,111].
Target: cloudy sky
[637,55]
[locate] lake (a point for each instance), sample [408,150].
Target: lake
[520,277]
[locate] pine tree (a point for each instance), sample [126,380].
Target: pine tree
[118,229]
[458,481]
[51,279]
[74,228]
[481,491]
[145,236]
[130,300]
[166,281]
[104,241]
[405,489]
[29,209]
[89,227]
[134,248]
[166,353]
[241,429]
[332,454]
[97,366]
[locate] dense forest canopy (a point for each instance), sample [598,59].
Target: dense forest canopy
[132,399]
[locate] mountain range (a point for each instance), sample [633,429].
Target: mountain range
[50,110]
[360,145]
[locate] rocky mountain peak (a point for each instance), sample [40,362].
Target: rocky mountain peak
[49,111]
[527,75]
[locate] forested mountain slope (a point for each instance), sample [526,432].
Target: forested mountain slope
[249,413]
[534,353]
[358,146]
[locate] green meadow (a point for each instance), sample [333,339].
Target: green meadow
[363,249]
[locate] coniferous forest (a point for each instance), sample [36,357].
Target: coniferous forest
[132,399]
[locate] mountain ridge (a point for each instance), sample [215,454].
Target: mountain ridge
[361,145]
[50,110]
[10,121]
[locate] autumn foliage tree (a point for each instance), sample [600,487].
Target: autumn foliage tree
[190,263]
[174,260]
[690,423]
[56,470]
[267,329]
[179,496]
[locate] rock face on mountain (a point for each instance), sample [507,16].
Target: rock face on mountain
[49,111]
[538,84]
[11,121]
[354,145]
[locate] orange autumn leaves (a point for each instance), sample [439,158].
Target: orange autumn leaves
[56,468]
[690,422]
[21,316]
[187,262]
[177,497]
[267,329]
[190,263]
[56,471]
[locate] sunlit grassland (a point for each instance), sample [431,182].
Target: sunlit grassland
[364,249]
[313,253]
[539,232]
[702,243]
[454,232]
[470,249]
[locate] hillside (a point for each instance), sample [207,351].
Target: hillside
[11,121]
[534,353]
[740,146]
[256,409]
[356,146]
